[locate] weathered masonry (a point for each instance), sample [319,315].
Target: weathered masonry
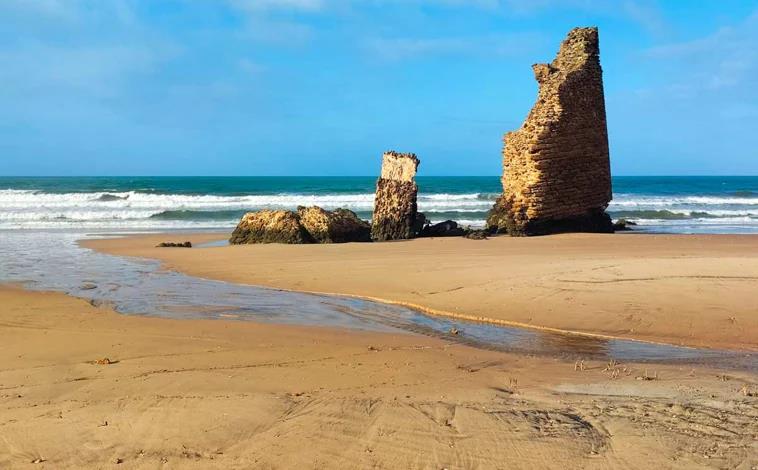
[556,167]
[395,208]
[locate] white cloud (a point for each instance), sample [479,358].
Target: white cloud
[94,70]
[263,21]
[256,6]
[481,4]
[53,9]
[76,49]
[724,59]
[284,33]
[396,49]
[250,67]
[645,14]
[67,13]
[739,111]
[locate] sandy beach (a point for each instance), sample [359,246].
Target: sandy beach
[219,394]
[413,235]
[696,290]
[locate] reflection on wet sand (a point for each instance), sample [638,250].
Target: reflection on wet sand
[577,344]
[54,261]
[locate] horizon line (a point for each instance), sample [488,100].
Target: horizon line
[368,176]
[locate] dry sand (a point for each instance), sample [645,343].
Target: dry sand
[698,290]
[219,394]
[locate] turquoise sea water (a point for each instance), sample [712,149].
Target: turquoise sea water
[671,204]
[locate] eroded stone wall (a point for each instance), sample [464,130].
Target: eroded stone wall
[556,167]
[395,208]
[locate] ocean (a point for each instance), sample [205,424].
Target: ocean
[679,204]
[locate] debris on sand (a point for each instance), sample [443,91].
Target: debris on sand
[174,245]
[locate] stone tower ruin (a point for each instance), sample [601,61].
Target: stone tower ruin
[395,210]
[556,167]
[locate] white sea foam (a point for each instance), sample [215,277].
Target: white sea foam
[31,209]
[635,200]
[20,209]
[10,199]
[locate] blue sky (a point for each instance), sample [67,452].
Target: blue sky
[322,87]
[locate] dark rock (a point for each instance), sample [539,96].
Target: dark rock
[448,228]
[395,207]
[174,245]
[497,217]
[419,224]
[111,197]
[623,225]
[477,234]
[596,221]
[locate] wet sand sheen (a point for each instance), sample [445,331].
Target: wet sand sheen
[139,286]
[677,289]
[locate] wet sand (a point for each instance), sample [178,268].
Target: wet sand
[696,290]
[222,394]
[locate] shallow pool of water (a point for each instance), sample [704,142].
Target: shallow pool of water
[53,260]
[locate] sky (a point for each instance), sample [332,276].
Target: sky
[323,87]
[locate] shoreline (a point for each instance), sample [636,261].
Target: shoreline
[496,322]
[218,263]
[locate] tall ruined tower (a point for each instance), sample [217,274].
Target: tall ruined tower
[556,167]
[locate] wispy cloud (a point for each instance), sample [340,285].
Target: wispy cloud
[52,56]
[54,9]
[270,21]
[278,32]
[478,4]
[250,67]
[645,13]
[726,58]
[90,67]
[397,49]
[67,13]
[257,6]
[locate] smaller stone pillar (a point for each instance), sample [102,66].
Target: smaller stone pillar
[395,209]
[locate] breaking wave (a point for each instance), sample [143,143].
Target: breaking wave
[34,209]
[138,209]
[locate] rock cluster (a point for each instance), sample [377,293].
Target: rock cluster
[306,225]
[556,168]
[395,210]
